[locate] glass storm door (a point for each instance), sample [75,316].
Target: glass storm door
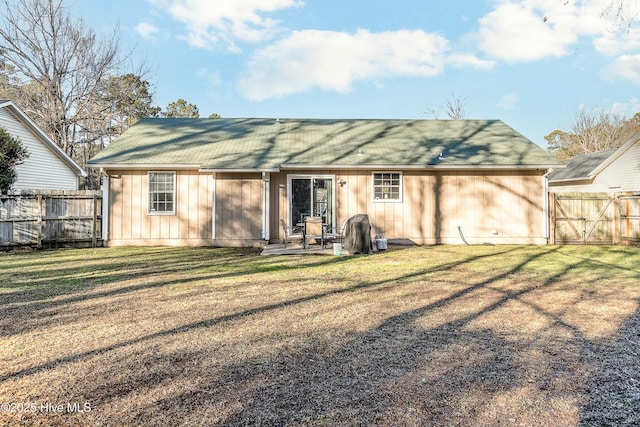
[312,196]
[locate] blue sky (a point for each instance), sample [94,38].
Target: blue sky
[531,63]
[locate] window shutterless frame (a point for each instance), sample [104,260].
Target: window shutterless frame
[162,193]
[387,187]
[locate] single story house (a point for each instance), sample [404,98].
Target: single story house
[48,167]
[228,182]
[612,171]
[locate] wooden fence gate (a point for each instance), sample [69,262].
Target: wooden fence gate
[594,218]
[629,207]
[51,218]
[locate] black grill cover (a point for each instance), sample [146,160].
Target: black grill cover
[357,235]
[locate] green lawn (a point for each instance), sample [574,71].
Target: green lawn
[441,335]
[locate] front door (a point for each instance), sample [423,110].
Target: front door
[312,196]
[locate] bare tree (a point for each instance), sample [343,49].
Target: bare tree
[55,65]
[592,132]
[454,108]
[622,14]
[118,103]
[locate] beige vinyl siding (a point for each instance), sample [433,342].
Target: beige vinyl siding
[42,170]
[238,207]
[489,207]
[237,217]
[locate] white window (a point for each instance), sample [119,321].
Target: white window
[387,187]
[162,193]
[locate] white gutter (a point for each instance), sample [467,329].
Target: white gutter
[143,166]
[545,204]
[105,206]
[240,170]
[419,167]
[213,208]
[120,166]
[578,180]
[265,205]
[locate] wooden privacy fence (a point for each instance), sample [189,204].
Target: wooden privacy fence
[595,218]
[630,218]
[51,219]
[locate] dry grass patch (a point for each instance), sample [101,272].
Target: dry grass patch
[412,336]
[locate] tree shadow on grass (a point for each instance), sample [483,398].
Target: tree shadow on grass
[20,308]
[401,372]
[385,375]
[613,393]
[238,315]
[397,374]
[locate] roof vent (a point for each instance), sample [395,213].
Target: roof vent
[277,121]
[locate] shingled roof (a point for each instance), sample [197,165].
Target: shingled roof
[275,144]
[581,167]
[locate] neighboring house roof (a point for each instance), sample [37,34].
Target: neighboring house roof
[580,167]
[272,145]
[586,167]
[42,137]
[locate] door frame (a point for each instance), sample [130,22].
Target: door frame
[291,177]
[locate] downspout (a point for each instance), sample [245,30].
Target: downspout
[265,205]
[213,207]
[545,204]
[105,206]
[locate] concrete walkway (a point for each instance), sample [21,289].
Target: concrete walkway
[297,249]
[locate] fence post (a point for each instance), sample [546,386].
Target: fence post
[552,220]
[40,209]
[627,221]
[616,219]
[94,237]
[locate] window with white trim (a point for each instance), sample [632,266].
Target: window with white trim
[387,187]
[162,193]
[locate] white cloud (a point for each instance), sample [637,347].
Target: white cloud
[625,67]
[211,77]
[517,31]
[210,22]
[618,24]
[146,30]
[460,60]
[626,109]
[508,101]
[335,61]
[615,43]
[528,30]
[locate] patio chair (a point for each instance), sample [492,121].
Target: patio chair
[338,236]
[313,229]
[291,233]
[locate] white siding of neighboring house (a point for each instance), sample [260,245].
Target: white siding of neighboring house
[622,175]
[43,169]
[579,188]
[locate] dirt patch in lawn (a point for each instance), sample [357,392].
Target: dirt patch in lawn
[412,336]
